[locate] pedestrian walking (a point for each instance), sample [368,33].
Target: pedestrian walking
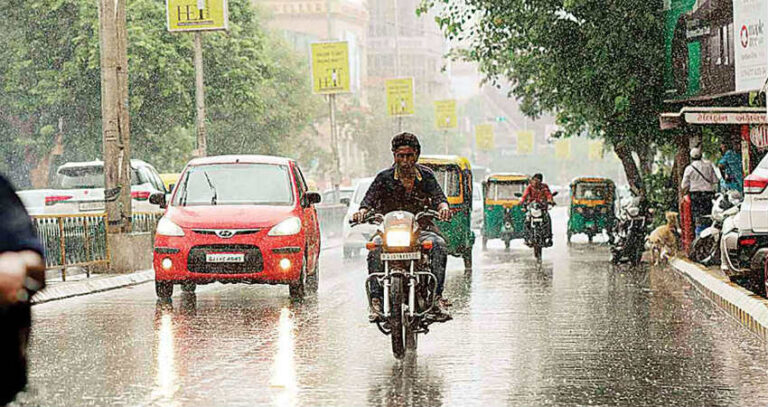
[700,181]
[22,273]
[730,167]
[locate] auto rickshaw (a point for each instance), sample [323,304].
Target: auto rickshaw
[503,217]
[454,174]
[592,207]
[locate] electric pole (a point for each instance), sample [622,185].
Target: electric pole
[115,121]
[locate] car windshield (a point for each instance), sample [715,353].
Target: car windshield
[501,191]
[591,191]
[91,176]
[449,180]
[235,184]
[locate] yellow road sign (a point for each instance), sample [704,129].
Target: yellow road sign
[196,15]
[330,67]
[484,137]
[563,149]
[400,97]
[445,114]
[525,142]
[595,150]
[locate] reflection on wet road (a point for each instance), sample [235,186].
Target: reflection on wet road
[575,332]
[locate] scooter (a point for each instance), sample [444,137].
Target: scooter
[707,248]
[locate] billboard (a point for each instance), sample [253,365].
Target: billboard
[445,114]
[196,15]
[400,97]
[330,67]
[484,137]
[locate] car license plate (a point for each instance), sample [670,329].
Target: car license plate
[225,257]
[91,206]
[401,256]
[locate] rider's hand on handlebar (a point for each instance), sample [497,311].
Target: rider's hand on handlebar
[444,212]
[359,216]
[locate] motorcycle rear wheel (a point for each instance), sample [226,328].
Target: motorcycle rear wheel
[704,250]
[397,295]
[537,252]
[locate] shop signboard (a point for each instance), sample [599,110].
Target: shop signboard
[750,44]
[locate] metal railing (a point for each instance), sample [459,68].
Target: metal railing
[81,240]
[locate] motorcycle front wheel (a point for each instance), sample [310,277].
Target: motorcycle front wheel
[396,325]
[704,250]
[537,252]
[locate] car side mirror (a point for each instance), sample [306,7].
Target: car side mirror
[555,193]
[170,187]
[312,198]
[158,198]
[518,195]
[345,201]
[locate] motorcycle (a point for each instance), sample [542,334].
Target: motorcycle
[630,233]
[408,282]
[707,247]
[535,220]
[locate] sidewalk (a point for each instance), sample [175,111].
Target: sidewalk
[746,307]
[78,283]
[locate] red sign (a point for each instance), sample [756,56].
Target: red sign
[758,135]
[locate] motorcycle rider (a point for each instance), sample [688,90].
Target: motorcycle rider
[538,191]
[407,186]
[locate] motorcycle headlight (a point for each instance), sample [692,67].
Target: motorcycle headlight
[166,227]
[508,225]
[288,227]
[580,209]
[633,211]
[536,213]
[398,238]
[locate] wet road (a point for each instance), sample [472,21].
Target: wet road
[576,332]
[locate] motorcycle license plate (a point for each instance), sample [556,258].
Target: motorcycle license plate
[401,256]
[225,257]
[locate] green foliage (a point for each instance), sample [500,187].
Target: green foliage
[661,194]
[257,96]
[597,65]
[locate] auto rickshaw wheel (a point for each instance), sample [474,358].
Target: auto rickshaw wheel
[506,243]
[467,259]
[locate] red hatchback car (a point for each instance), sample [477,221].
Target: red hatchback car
[238,219]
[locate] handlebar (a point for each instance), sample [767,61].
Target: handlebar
[370,217]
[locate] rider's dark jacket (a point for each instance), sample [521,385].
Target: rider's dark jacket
[387,193]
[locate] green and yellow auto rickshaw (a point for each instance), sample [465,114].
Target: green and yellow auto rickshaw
[503,217]
[592,207]
[454,174]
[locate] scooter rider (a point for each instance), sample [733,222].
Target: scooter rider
[411,187]
[538,191]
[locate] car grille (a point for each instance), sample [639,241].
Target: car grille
[254,262]
[235,232]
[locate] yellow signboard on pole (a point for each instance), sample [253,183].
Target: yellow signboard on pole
[525,142]
[445,114]
[595,150]
[196,15]
[400,97]
[563,149]
[330,67]
[484,137]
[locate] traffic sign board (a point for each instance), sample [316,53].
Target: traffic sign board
[484,137]
[400,97]
[563,149]
[196,15]
[330,67]
[445,114]
[595,150]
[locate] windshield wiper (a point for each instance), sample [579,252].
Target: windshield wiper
[213,189]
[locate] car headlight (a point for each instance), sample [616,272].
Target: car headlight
[398,238]
[288,227]
[166,227]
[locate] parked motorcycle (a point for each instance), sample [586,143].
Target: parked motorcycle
[632,227]
[408,282]
[706,248]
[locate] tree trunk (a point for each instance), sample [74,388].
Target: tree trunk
[631,169]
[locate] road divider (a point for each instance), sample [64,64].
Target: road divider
[745,306]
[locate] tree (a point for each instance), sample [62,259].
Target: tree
[256,92]
[596,64]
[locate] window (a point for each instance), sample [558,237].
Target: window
[591,191]
[235,184]
[90,176]
[505,191]
[449,179]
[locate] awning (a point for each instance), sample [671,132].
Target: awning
[713,115]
